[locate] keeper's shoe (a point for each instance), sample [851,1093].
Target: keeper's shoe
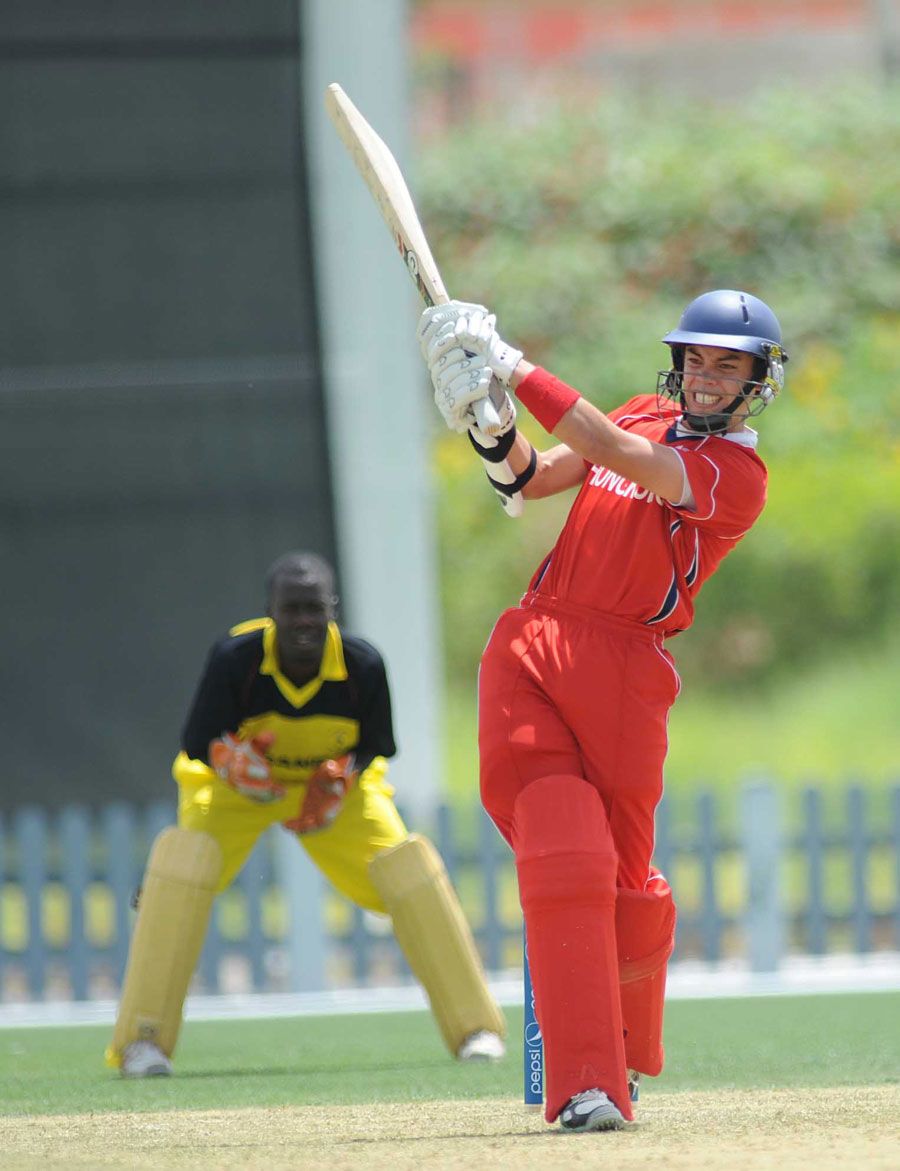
[144,1059]
[482,1046]
[591,1110]
[634,1085]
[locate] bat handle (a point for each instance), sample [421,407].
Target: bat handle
[487,413]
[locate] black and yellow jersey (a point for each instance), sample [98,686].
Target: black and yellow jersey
[345,708]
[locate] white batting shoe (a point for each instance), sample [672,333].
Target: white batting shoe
[591,1110]
[481,1046]
[144,1059]
[634,1085]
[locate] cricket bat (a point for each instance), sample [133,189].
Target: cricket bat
[382,175]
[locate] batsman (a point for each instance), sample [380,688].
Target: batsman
[291,725]
[576,681]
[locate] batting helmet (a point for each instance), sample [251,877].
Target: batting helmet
[725,317]
[735,321]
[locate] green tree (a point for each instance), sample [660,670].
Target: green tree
[588,232]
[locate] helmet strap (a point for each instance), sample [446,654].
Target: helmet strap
[716,424]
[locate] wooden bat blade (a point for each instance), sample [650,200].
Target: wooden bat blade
[378,168]
[385,181]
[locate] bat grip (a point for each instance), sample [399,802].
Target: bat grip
[487,410]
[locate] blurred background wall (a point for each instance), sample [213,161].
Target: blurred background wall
[516,54]
[162,434]
[162,383]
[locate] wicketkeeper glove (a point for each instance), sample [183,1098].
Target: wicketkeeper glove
[324,796]
[242,764]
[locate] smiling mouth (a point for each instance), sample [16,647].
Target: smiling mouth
[302,641]
[706,400]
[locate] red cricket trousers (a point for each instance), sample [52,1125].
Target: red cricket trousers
[573,710]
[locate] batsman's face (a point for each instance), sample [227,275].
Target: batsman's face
[712,378]
[301,610]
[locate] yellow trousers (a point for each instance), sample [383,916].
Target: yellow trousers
[367,824]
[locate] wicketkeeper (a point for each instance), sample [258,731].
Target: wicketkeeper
[291,724]
[576,682]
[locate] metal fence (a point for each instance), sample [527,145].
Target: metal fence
[755,877]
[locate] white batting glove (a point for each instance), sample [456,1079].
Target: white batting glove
[436,317]
[474,329]
[507,413]
[441,332]
[459,380]
[476,332]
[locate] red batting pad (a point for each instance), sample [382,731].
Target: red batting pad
[643,1002]
[645,928]
[645,933]
[567,865]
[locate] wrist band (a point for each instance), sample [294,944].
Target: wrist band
[546,397]
[520,481]
[502,448]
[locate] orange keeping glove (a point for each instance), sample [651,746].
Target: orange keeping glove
[242,764]
[324,796]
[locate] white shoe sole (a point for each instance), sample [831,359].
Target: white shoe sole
[150,1071]
[584,1118]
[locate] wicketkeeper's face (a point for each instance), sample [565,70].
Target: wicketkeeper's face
[301,610]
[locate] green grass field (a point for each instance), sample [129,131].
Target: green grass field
[815,1041]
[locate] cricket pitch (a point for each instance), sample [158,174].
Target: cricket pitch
[791,1130]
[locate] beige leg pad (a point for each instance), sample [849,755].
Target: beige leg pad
[436,939]
[176,900]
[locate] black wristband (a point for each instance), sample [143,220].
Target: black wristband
[495,455]
[520,481]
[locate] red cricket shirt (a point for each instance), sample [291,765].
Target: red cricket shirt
[625,551]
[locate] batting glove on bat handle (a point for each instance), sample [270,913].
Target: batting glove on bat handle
[487,410]
[438,322]
[489,345]
[435,333]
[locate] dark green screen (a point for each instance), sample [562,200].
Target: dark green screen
[161,414]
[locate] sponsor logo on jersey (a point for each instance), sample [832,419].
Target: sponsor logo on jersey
[603,478]
[298,761]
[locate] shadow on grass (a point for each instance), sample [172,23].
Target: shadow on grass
[379,1067]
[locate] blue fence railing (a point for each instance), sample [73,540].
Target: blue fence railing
[751,878]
